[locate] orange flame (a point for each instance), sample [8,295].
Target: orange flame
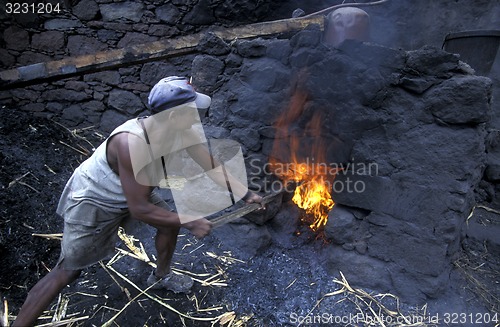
[299,157]
[314,197]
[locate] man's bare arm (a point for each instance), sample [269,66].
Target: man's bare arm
[138,196]
[201,155]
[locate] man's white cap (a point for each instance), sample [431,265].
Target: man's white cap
[173,91]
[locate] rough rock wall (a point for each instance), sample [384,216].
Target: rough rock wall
[399,24]
[410,124]
[87,26]
[427,138]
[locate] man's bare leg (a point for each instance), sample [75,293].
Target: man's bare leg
[42,294]
[165,242]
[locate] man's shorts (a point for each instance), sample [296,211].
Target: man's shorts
[88,243]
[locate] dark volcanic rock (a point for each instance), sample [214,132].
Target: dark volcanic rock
[168,14]
[48,41]
[107,77]
[86,10]
[65,95]
[206,70]
[80,45]
[110,120]
[74,115]
[16,38]
[151,73]
[202,14]
[213,45]
[253,48]
[62,24]
[125,102]
[461,100]
[129,10]
[133,39]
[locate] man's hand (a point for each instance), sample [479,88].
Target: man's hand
[254,198]
[199,227]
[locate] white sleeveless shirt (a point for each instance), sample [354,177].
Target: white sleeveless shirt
[94,181]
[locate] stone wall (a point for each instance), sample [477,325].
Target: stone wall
[104,99]
[419,115]
[88,26]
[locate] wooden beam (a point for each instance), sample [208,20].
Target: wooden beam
[165,48]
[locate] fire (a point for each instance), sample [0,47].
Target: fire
[300,158]
[314,197]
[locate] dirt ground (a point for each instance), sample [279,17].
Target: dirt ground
[284,285]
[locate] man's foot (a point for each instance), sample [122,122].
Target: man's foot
[176,283]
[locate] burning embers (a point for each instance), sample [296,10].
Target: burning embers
[299,157]
[314,197]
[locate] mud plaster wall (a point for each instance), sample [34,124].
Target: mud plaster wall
[419,115]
